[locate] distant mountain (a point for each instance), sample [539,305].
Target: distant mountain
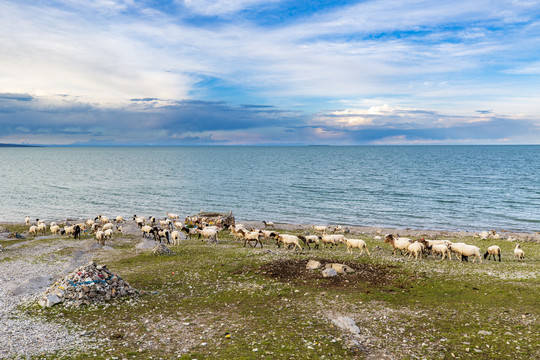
[17,145]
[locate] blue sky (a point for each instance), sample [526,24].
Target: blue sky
[253,72]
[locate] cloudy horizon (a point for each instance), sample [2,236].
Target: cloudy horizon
[279,72]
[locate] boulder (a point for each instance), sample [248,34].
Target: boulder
[49,300]
[313,265]
[340,268]
[347,324]
[329,272]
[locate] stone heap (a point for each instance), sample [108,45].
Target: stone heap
[161,250]
[88,284]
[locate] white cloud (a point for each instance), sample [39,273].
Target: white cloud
[222,7]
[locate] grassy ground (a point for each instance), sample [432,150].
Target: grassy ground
[210,301]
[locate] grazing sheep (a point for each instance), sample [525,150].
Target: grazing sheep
[179,225]
[163,233]
[120,229]
[173,216]
[146,230]
[103,219]
[356,243]
[139,221]
[334,239]
[100,237]
[397,243]
[253,236]
[310,239]
[108,234]
[237,231]
[493,251]
[42,227]
[441,249]
[52,223]
[208,233]
[55,229]
[190,232]
[268,224]
[289,240]
[175,237]
[119,219]
[269,234]
[338,228]
[90,222]
[320,228]
[166,223]
[416,248]
[464,250]
[107,226]
[33,230]
[27,220]
[518,253]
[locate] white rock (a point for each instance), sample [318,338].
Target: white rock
[329,272]
[346,323]
[49,301]
[313,265]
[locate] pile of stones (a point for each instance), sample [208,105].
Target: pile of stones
[88,284]
[161,250]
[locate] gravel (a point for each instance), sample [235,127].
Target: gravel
[22,280]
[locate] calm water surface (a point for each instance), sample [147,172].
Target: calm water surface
[429,187]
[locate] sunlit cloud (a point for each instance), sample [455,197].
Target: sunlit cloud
[268,72]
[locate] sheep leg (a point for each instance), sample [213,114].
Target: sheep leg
[499,257]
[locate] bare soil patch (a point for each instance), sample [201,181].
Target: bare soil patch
[365,276]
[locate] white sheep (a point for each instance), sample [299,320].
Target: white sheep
[253,236]
[90,222]
[289,240]
[493,251]
[268,224]
[108,234]
[173,216]
[320,228]
[310,239]
[462,249]
[146,230]
[104,219]
[175,237]
[33,230]
[55,229]
[518,253]
[208,233]
[27,220]
[416,248]
[397,243]
[139,221]
[42,227]
[119,219]
[441,249]
[107,226]
[334,239]
[100,237]
[52,223]
[356,243]
[166,223]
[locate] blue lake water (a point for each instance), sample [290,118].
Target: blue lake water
[425,187]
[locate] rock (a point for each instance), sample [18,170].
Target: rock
[347,324]
[484,332]
[313,265]
[329,272]
[49,300]
[340,268]
[161,250]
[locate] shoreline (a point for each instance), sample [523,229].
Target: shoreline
[532,236]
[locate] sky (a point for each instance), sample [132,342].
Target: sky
[272,72]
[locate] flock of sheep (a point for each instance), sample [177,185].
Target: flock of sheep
[170,227]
